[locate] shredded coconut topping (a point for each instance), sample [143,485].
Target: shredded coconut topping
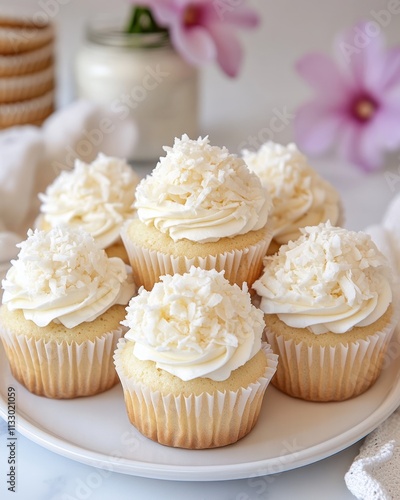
[62,275]
[195,325]
[299,195]
[330,279]
[98,197]
[202,193]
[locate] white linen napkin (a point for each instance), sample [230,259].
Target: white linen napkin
[31,157]
[375,472]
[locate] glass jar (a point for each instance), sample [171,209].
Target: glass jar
[139,77]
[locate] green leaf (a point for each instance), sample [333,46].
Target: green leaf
[142,21]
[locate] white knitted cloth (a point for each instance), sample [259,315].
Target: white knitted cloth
[375,472]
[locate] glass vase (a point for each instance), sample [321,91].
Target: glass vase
[139,77]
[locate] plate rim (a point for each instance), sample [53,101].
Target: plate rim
[243,470]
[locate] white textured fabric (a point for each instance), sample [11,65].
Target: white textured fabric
[31,157]
[374,474]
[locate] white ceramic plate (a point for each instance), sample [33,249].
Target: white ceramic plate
[290,433]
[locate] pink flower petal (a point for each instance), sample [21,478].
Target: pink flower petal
[391,73]
[229,51]
[323,75]
[385,127]
[358,145]
[209,35]
[316,127]
[361,52]
[194,44]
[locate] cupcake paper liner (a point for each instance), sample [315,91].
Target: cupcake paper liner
[240,266]
[195,421]
[62,370]
[329,373]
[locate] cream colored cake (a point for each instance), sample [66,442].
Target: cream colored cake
[163,255]
[329,313]
[200,206]
[192,365]
[63,302]
[147,373]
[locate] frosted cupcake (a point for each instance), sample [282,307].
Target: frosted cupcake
[200,206]
[300,196]
[97,197]
[63,303]
[327,300]
[192,365]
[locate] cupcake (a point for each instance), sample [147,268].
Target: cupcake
[97,197]
[299,195]
[60,319]
[192,365]
[200,206]
[329,313]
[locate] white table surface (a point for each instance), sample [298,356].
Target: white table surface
[43,475]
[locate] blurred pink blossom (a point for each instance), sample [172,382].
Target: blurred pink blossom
[204,30]
[357,103]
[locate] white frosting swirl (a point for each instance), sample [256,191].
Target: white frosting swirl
[97,197]
[195,325]
[330,279]
[63,276]
[202,193]
[299,195]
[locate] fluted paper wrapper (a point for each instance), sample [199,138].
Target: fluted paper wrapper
[195,421]
[63,370]
[245,265]
[329,373]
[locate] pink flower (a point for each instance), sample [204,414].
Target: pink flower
[203,30]
[357,104]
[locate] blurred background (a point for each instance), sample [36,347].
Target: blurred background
[233,111]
